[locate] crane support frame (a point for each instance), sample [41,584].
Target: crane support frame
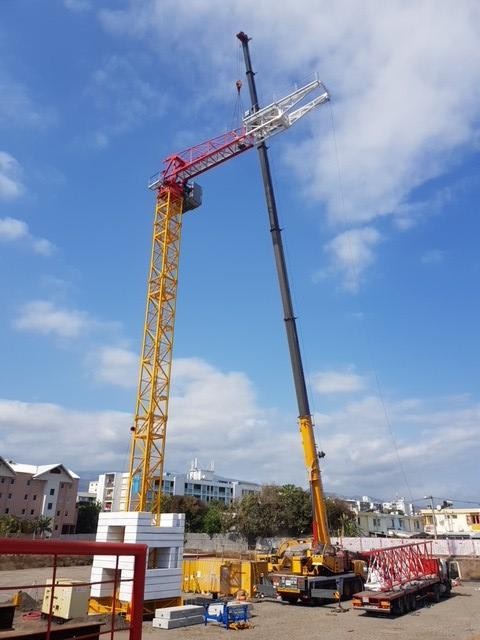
[149,431]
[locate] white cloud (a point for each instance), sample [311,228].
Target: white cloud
[350,254]
[42,316]
[402,114]
[77,6]
[361,451]
[332,382]
[12,229]
[434,256]
[11,186]
[17,108]
[215,415]
[83,439]
[115,365]
[123,98]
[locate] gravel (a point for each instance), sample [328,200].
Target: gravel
[454,618]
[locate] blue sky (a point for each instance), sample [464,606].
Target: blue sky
[377,195]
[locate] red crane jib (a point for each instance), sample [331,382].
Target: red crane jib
[183,166]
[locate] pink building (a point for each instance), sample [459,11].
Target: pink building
[29,491]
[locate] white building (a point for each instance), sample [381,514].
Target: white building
[111,488]
[85,497]
[399,505]
[447,521]
[375,523]
[394,518]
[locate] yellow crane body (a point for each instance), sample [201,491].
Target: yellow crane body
[147,451]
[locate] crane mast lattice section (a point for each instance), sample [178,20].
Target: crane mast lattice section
[150,424]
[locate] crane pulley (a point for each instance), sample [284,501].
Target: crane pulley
[175,195]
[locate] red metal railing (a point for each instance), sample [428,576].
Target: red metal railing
[56,549]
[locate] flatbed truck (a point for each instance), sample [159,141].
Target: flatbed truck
[407,597]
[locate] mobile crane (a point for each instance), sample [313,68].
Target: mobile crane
[317,570]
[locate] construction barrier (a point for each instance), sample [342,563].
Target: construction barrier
[470,548]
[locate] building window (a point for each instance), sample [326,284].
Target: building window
[56,527]
[6,510]
[49,506]
[52,492]
[473,518]
[12,481]
[58,513]
[26,496]
[35,497]
[23,511]
[66,513]
[29,482]
[32,511]
[9,495]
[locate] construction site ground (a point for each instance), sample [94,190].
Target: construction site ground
[457,617]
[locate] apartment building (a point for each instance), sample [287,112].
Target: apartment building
[111,488]
[450,522]
[394,518]
[29,491]
[376,523]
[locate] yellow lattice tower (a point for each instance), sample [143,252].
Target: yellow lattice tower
[149,431]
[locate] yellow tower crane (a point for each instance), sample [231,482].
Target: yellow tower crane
[175,195]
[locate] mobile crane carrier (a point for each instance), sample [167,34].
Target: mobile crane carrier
[317,571]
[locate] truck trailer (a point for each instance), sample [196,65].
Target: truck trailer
[401,578]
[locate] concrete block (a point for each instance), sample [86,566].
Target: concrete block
[175,623]
[182,611]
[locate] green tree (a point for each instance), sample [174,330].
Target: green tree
[42,526]
[294,516]
[9,526]
[215,519]
[273,511]
[28,525]
[193,509]
[341,519]
[87,517]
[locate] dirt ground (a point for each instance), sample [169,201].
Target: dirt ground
[455,618]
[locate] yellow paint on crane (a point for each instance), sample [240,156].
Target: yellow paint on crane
[149,430]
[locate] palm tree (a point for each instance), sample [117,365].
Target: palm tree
[42,526]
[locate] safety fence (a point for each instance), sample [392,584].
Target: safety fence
[470,548]
[60,607]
